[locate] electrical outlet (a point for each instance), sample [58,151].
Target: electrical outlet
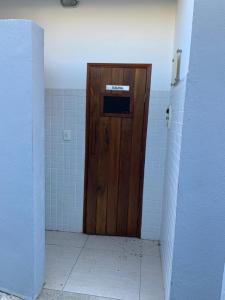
[67,135]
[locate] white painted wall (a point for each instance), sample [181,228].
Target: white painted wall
[183,41]
[199,255]
[184,18]
[192,237]
[22,242]
[100,31]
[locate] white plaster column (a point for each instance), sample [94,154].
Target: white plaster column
[21,158]
[199,246]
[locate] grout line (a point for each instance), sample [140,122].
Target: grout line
[70,246]
[161,266]
[63,155]
[73,266]
[50,165]
[141,273]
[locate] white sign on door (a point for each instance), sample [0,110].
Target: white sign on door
[118,88]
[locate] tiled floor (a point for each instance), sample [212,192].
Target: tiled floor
[111,267]
[56,295]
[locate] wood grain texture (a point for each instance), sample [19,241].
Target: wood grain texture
[124,176]
[136,148]
[113,175]
[115,151]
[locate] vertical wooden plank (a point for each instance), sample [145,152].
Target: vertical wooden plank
[102,177]
[113,174]
[143,148]
[94,79]
[125,159]
[93,148]
[124,175]
[114,159]
[135,172]
[103,157]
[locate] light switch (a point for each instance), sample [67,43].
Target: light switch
[67,135]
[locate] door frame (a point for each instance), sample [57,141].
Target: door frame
[148,68]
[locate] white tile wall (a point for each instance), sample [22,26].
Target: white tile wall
[171,182]
[65,109]
[154,165]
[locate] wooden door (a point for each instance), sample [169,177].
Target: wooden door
[116,125]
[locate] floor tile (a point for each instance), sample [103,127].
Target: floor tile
[109,262]
[106,273]
[121,244]
[57,295]
[59,263]
[150,248]
[65,238]
[151,265]
[102,285]
[114,267]
[151,279]
[72,296]
[152,294]
[49,295]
